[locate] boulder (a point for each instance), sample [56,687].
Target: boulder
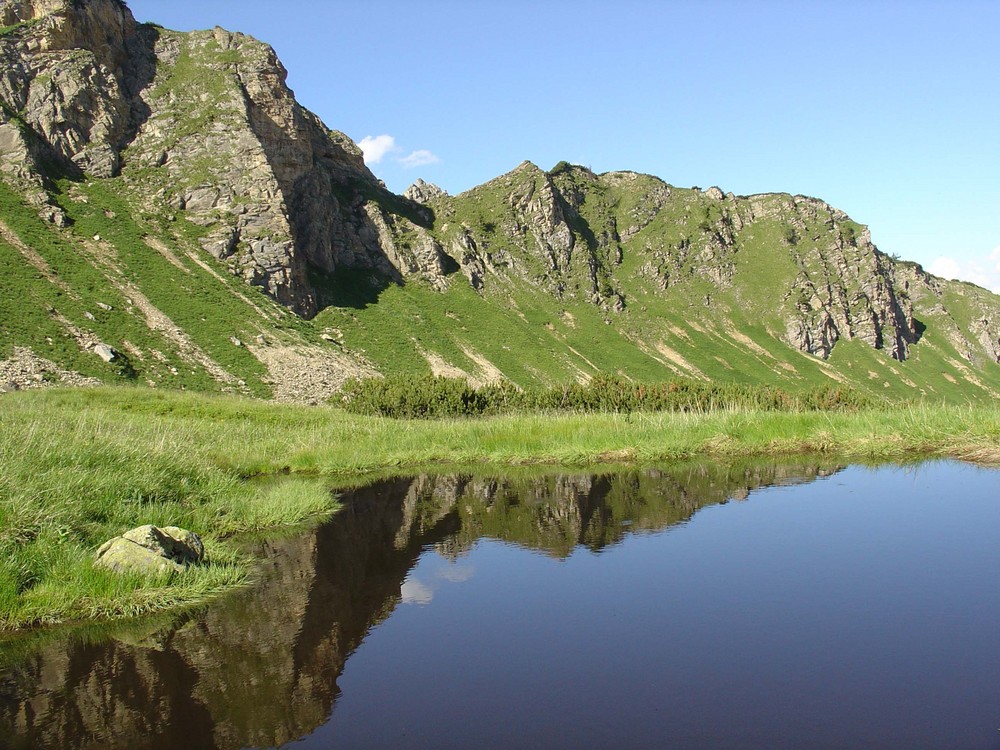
[187,544]
[150,549]
[105,352]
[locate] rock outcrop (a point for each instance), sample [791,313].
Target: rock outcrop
[846,288]
[152,550]
[423,192]
[201,125]
[69,74]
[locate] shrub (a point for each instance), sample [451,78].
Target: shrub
[407,397]
[434,397]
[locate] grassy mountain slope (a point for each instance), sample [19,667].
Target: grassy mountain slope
[174,315]
[188,213]
[652,282]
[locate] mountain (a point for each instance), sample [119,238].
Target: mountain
[171,215]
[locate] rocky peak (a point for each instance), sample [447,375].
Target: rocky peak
[102,26]
[422,192]
[200,125]
[70,73]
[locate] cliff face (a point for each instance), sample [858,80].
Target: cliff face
[200,125]
[69,74]
[127,140]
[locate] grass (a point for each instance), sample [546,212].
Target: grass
[11,29]
[68,485]
[80,466]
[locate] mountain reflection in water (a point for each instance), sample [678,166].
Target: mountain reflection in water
[259,668]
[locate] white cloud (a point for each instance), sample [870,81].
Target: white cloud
[415,592]
[419,158]
[376,147]
[984,271]
[456,573]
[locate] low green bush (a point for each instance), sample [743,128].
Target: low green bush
[430,397]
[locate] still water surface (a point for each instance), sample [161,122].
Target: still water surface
[694,606]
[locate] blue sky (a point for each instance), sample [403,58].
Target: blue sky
[887,110]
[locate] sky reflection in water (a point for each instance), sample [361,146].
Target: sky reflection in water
[631,610]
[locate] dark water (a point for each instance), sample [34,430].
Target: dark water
[697,606]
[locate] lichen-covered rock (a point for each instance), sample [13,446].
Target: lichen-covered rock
[124,556]
[149,549]
[187,545]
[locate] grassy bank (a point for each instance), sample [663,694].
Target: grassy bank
[80,466]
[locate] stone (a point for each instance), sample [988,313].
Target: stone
[152,550]
[105,352]
[421,191]
[54,216]
[105,307]
[187,544]
[124,556]
[24,369]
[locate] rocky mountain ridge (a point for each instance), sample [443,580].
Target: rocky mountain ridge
[202,123]
[844,286]
[136,148]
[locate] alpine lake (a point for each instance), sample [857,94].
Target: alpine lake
[700,605]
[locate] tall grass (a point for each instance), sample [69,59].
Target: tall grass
[80,466]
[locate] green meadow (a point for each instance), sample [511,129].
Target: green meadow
[81,466]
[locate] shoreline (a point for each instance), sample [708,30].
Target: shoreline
[78,466]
